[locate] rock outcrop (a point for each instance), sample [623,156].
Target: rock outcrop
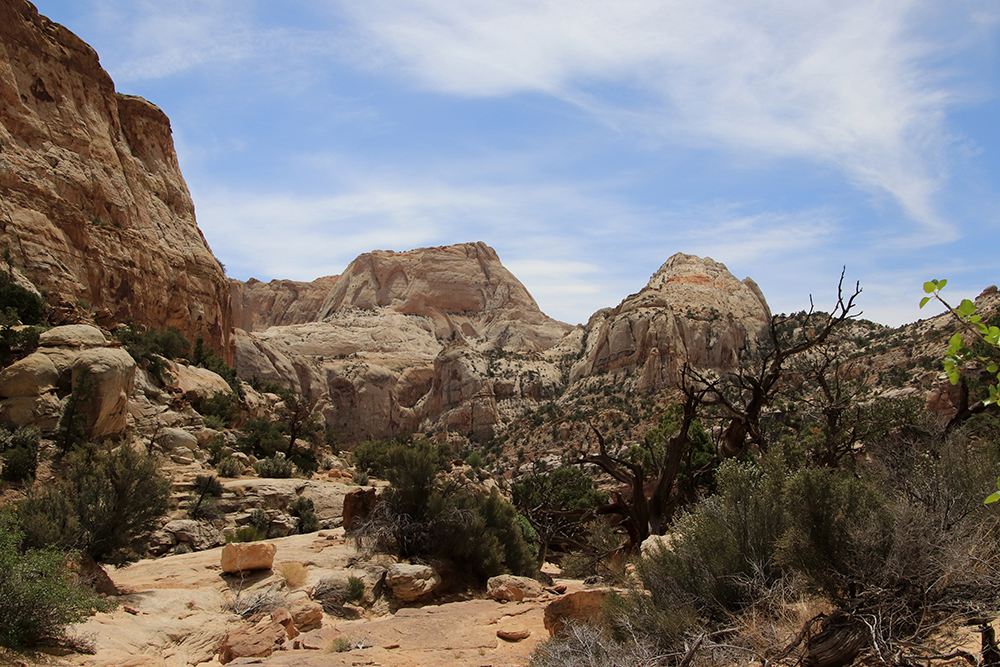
[693,310]
[258,305]
[74,358]
[408,340]
[93,207]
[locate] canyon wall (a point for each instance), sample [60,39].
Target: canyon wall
[93,208]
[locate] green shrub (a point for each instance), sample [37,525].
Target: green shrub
[229,467]
[25,305]
[355,589]
[38,598]
[244,534]
[49,518]
[72,429]
[20,464]
[261,438]
[378,457]
[215,423]
[221,408]
[118,496]
[260,520]
[475,460]
[206,489]
[276,466]
[360,478]
[839,528]
[304,509]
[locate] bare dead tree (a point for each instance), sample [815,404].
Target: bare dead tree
[643,515]
[745,394]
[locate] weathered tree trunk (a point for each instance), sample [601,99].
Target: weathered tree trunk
[838,643]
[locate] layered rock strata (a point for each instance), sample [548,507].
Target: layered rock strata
[408,340]
[93,207]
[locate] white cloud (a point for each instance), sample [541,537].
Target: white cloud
[837,83]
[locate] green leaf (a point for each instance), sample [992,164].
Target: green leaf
[955,342]
[992,498]
[966,308]
[929,287]
[923,302]
[941,283]
[992,368]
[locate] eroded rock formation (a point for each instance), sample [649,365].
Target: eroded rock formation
[93,207]
[693,310]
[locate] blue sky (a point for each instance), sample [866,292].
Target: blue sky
[586,141]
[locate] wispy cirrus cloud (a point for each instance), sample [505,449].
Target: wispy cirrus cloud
[844,84]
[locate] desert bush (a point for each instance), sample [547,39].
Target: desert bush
[261,438]
[725,539]
[229,467]
[72,429]
[378,457]
[38,598]
[276,466]
[19,464]
[20,460]
[118,496]
[244,534]
[294,574]
[215,423]
[839,529]
[206,489]
[355,589]
[260,520]
[303,508]
[222,408]
[360,479]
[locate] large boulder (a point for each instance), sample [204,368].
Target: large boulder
[199,536]
[358,504]
[103,378]
[196,383]
[32,376]
[73,336]
[581,607]
[246,556]
[512,588]
[410,583]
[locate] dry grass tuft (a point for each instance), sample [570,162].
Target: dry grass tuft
[294,574]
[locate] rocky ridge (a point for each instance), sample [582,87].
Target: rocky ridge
[93,208]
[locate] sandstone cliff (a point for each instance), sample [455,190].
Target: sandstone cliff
[691,311]
[257,305]
[403,341]
[93,207]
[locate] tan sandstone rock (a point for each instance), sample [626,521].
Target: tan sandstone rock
[253,641]
[111,372]
[581,606]
[512,588]
[306,614]
[95,210]
[514,633]
[32,376]
[410,583]
[246,556]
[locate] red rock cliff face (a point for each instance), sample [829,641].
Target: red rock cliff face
[93,206]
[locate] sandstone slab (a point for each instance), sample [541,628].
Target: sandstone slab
[246,556]
[581,606]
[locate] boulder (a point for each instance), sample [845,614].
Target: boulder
[358,504]
[410,583]
[72,335]
[512,588]
[655,543]
[199,535]
[514,633]
[246,556]
[283,617]
[252,641]
[32,376]
[306,614]
[171,438]
[110,373]
[196,383]
[582,606]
